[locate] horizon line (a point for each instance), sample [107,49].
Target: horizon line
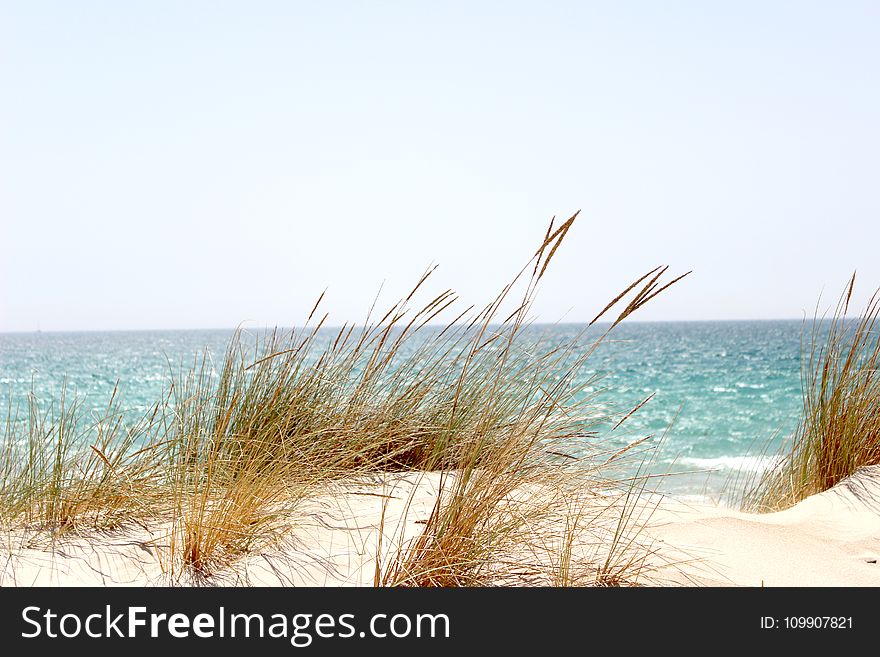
[438,325]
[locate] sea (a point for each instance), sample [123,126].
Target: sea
[726,395]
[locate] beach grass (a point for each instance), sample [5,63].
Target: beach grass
[62,471]
[528,493]
[839,430]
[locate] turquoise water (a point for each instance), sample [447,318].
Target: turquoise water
[722,389]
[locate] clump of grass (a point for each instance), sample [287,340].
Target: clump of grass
[839,431]
[62,472]
[524,409]
[219,493]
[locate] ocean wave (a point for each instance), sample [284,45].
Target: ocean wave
[744,462]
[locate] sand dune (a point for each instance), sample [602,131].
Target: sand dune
[830,539]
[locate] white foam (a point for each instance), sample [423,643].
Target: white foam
[743,462]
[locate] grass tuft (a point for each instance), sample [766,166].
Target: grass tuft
[839,431]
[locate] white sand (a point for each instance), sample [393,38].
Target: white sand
[831,539]
[332,541]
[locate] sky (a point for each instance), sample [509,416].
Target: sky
[212,164]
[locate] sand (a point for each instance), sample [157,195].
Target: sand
[830,539]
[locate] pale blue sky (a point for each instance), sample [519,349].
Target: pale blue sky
[199,164]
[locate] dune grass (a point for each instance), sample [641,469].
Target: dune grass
[61,471]
[227,455]
[516,473]
[839,431]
